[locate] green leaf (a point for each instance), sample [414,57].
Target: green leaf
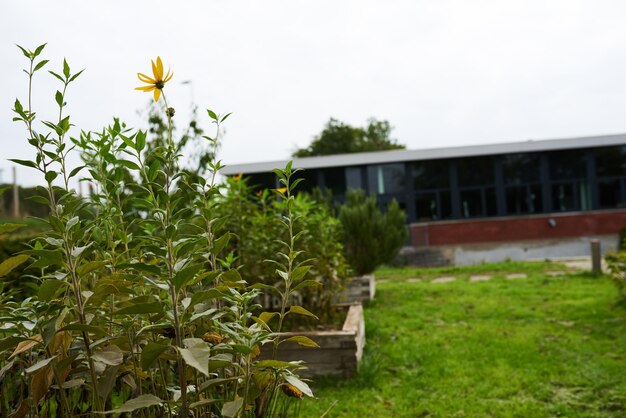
[142,401]
[4,228]
[10,342]
[58,97]
[276,364]
[186,274]
[75,171]
[196,355]
[203,402]
[50,176]
[301,311]
[141,308]
[39,365]
[302,340]
[212,114]
[205,295]
[90,266]
[299,272]
[48,289]
[39,49]
[231,409]
[231,276]
[129,164]
[306,283]
[25,52]
[25,163]
[71,223]
[267,316]
[150,354]
[9,264]
[111,355]
[66,69]
[91,329]
[39,65]
[220,243]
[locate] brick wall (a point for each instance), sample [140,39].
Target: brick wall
[517,228]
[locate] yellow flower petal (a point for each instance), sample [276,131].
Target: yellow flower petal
[145,88]
[159,68]
[282,190]
[145,78]
[157,94]
[168,77]
[155,72]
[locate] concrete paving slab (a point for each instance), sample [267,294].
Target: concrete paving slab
[413,280]
[480,278]
[556,273]
[514,276]
[446,279]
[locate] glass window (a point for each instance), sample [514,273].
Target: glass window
[335,179]
[611,161]
[521,168]
[354,178]
[477,171]
[523,199]
[471,203]
[610,194]
[433,206]
[433,174]
[568,196]
[386,178]
[568,165]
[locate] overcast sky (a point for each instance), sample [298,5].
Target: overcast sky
[443,73]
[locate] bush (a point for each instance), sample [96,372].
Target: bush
[371,237]
[139,304]
[256,220]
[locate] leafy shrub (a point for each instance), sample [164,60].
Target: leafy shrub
[139,306]
[257,219]
[371,237]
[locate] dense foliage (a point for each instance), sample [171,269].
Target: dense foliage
[140,304]
[340,138]
[371,237]
[255,221]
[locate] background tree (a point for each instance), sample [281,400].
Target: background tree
[340,138]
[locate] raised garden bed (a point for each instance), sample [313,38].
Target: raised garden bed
[339,351]
[359,289]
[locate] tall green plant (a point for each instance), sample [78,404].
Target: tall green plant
[371,237]
[139,308]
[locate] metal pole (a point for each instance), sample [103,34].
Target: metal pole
[596,257]
[16,196]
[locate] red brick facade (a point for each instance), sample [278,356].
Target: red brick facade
[577,224]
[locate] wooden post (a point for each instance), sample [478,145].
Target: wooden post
[596,257]
[16,196]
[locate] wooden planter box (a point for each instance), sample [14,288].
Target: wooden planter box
[359,289]
[339,352]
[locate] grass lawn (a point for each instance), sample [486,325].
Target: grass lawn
[543,346]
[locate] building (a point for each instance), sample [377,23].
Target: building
[486,202]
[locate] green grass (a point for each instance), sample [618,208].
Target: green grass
[537,347]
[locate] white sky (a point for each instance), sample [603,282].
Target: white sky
[442,72]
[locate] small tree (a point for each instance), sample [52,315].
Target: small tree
[371,237]
[340,138]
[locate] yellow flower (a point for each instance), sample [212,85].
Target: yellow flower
[238,177]
[282,190]
[158,82]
